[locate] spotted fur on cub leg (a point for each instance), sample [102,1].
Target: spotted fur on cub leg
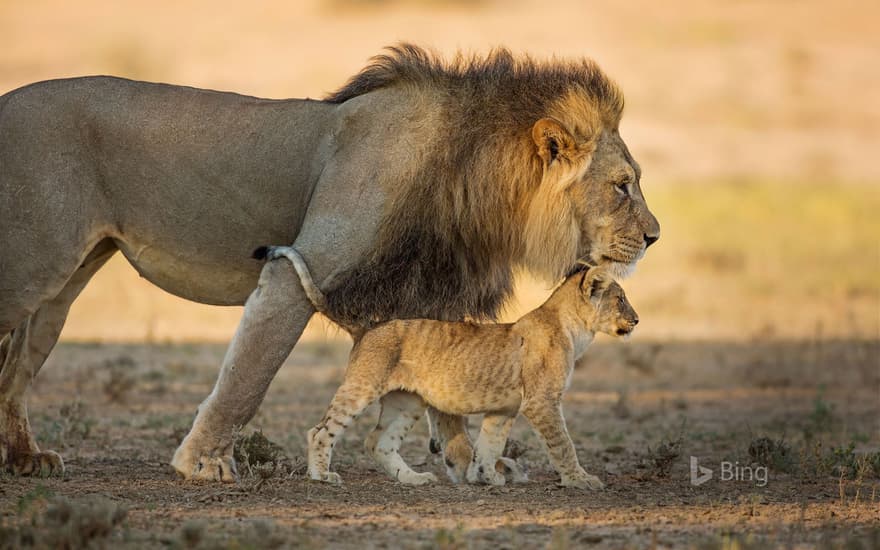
[490,444]
[400,411]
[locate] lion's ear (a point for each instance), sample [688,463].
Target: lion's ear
[553,140]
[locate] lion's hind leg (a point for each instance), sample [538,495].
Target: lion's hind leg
[400,411]
[22,353]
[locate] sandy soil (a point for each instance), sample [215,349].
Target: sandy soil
[636,412]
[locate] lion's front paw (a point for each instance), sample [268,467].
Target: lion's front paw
[415,478]
[582,480]
[221,468]
[192,466]
[37,464]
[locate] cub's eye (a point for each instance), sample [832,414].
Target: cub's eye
[621,187]
[620,301]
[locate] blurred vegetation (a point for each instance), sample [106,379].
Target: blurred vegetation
[820,237]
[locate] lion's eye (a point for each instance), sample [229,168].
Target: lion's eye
[621,187]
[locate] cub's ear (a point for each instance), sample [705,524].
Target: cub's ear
[553,140]
[595,282]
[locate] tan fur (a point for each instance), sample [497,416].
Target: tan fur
[415,191]
[463,368]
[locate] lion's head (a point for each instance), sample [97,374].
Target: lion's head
[527,169]
[589,204]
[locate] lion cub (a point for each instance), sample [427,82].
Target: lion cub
[462,368]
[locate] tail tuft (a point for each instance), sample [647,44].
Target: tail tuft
[260,253]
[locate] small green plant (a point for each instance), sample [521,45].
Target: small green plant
[873,461]
[450,539]
[774,454]
[120,380]
[191,534]
[560,539]
[841,461]
[37,495]
[263,534]
[84,523]
[663,457]
[72,427]
[261,457]
[821,419]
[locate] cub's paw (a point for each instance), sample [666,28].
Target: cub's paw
[478,473]
[434,446]
[582,480]
[507,466]
[458,455]
[36,464]
[326,477]
[416,478]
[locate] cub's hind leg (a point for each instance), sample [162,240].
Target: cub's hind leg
[488,449]
[400,411]
[449,435]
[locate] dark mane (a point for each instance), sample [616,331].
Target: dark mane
[457,228]
[499,73]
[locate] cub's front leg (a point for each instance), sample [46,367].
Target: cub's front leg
[546,418]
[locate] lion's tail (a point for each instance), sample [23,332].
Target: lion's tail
[314,294]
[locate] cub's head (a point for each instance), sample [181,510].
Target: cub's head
[608,309]
[589,204]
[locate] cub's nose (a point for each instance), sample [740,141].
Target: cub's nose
[650,239]
[635,321]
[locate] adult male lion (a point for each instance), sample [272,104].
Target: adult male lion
[413,191]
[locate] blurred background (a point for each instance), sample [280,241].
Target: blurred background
[757,125]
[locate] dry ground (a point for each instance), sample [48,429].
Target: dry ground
[637,412]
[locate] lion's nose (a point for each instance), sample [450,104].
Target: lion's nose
[650,239]
[635,321]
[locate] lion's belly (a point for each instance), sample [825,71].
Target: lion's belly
[224,283]
[203,252]
[198,245]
